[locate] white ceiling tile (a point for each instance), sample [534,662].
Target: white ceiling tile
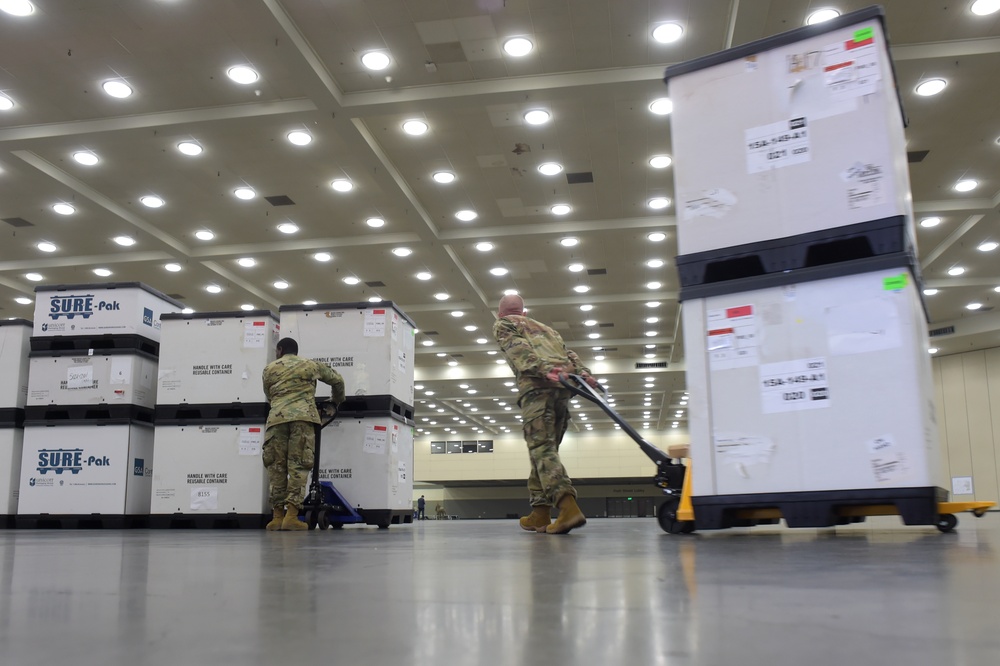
[437,32]
[475,27]
[490,161]
[482,49]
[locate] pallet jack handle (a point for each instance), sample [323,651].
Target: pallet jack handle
[580,387]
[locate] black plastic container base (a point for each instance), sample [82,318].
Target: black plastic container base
[185,414]
[84,342]
[209,521]
[369,405]
[93,521]
[56,414]
[386,517]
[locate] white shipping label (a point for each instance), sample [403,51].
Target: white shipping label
[865,185]
[777,145]
[791,386]
[863,326]
[961,485]
[204,499]
[80,376]
[851,67]
[743,451]
[401,360]
[732,338]
[121,370]
[395,439]
[888,461]
[401,470]
[395,326]
[254,334]
[374,326]
[376,439]
[251,440]
[709,203]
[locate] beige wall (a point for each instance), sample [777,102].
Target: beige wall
[967,393]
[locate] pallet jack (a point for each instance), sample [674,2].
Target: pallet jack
[324,507]
[676,514]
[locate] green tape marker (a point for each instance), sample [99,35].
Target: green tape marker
[894,283]
[864,34]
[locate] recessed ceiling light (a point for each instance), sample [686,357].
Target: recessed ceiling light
[510,292]
[561,209]
[662,106]
[173,268]
[821,15]
[424,275]
[151,201]
[575,268]
[518,46]
[537,117]
[985,7]
[658,203]
[973,306]
[288,227]
[650,334]
[247,262]
[34,277]
[932,350]
[653,285]
[102,272]
[117,88]
[443,177]
[63,208]
[666,33]
[246,307]
[350,279]
[966,185]
[586,307]
[375,222]
[190,148]
[470,328]
[593,336]
[322,256]
[654,263]
[245,193]
[441,296]
[213,289]
[375,60]
[930,292]
[453,363]
[242,74]
[660,161]
[23,300]
[342,185]
[457,313]
[930,222]
[428,343]
[569,241]
[466,215]
[550,168]
[930,87]
[988,246]
[996,289]
[652,320]
[590,322]
[187,311]
[309,302]
[6,103]
[402,251]
[280,284]
[17,7]
[656,236]
[498,271]
[86,157]
[484,246]
[957,270]
[300,137]
[415,127]
[124,241]
[581,289]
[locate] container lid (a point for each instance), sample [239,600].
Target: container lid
[16,322]
[363,305]
[228,314]
[60,423]
[360,416]
[77,353]
[108,285]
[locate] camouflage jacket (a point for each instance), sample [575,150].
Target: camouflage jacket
[290,387]
[532,350]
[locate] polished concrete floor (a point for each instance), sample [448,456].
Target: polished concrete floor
[471,593]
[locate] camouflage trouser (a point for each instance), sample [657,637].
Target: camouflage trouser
[288,457]
[546,415]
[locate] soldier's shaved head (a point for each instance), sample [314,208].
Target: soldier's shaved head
[287,346]
[511,305]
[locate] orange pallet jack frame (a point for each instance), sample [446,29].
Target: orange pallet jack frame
[676,514]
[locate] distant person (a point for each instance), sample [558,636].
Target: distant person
[439,510]
[290,440]
[421,505]
[539,358]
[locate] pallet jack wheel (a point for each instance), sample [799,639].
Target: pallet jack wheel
[667,517]
[322,521]
[311,519]
[337,526]
[946,522]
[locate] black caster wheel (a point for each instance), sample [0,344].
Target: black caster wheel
[667,518]
[322,521]
[946,522]
[310,520]
[337,526]
[383,526]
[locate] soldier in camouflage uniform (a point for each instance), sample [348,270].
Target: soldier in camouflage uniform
[538,356]
[290,440]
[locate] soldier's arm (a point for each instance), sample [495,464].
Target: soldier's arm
[267,381]
[519,351]
[578,367]
[328,375]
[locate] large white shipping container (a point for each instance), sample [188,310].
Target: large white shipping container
[371,346]
[370,462]
[209,469]
[15,336]
[107,376]
[823,385]
[215,357]
[11,440]
[119,308]
[792,134]
[83,468]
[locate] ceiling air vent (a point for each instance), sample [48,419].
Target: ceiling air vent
[648,366]
[176,297]
[597,271]
[375,283]
[17,222]
[947,330]
[915,156]
[430,332]
[580,177]
[280,200]
[608,325]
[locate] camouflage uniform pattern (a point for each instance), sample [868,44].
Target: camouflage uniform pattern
[532,350]
[290,440]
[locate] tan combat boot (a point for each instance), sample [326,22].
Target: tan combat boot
[570,516]
[537,520]
[291,523]
[275,523]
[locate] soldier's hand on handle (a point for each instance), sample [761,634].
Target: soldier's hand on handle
[555,374]
[587,377]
